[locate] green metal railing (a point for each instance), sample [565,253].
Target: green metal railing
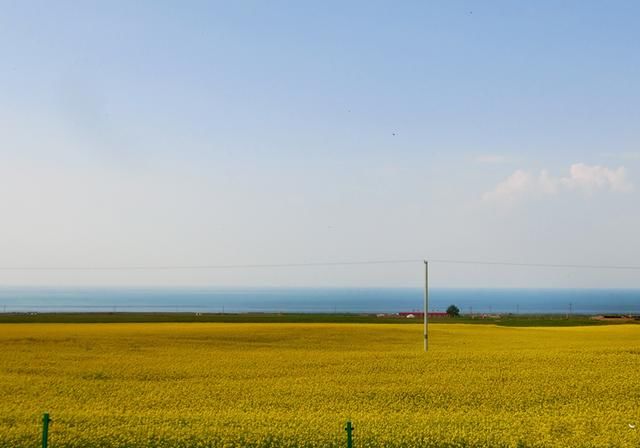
[45,430]
[349,428]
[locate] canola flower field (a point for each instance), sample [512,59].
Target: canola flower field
[294,385]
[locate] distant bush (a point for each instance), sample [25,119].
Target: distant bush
[453,311]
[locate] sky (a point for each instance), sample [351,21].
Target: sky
[156,133]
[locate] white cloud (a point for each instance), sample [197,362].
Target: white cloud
[596,178]
[581,177]
[490,158]
[518,183]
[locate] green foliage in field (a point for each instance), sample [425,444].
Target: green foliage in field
[519,320]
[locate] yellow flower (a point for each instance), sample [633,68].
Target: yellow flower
[295,385]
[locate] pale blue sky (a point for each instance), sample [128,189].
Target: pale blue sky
[155,133]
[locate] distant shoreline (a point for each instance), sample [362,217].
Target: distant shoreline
[522,320]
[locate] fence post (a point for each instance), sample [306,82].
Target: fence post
[45,430]
[349,428]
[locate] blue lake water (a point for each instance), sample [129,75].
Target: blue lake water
[326,300]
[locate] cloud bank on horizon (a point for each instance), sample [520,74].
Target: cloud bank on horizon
[582,177]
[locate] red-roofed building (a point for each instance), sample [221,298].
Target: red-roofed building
[420,315]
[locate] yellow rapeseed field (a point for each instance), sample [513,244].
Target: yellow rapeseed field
[295,385]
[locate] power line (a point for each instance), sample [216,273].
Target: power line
[539,265]
[315,264]
[200,267]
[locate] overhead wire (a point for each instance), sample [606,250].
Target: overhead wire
[318,264]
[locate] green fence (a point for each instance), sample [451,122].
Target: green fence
[46,420]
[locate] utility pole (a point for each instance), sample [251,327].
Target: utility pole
[426,305]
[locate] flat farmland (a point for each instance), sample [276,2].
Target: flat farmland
[296,384]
